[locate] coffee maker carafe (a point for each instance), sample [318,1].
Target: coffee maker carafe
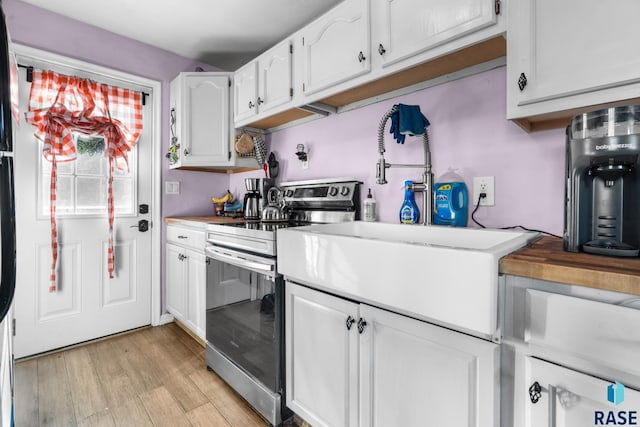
[254,198]
[251,206]
[602,187]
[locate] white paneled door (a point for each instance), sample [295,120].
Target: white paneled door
[88,304]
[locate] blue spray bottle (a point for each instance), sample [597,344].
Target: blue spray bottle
[409,212]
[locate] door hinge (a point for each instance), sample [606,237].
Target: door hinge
[229,155]
[290,48]
[13,321]
[229,82]
[303,41]
[497,7]
[303,87]
[291,92]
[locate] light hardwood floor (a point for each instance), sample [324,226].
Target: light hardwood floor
[150,377]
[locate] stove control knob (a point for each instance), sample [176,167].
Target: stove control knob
[344,191]
[333,191]
[288,193]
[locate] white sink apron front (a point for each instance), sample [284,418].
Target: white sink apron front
[434,273]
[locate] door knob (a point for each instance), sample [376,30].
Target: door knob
[143,225]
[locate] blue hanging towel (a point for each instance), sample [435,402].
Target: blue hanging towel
[407,120]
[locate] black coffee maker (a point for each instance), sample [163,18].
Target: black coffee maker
[602,186]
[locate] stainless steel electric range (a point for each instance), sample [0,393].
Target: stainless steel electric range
[245,292]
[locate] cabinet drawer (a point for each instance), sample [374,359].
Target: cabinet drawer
[186,237]
[596,331]
[551,395]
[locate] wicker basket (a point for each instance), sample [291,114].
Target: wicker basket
[244,146]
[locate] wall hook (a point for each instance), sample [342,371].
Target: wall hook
[302,155]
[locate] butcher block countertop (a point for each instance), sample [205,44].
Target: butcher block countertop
[546,259]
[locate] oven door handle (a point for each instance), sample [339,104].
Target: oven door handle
[240,262]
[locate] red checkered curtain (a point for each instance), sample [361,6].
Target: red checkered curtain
[60,106]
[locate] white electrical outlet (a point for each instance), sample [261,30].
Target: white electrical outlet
[484,184]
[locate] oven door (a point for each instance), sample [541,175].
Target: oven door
[245,298]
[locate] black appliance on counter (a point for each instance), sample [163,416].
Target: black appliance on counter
[602,188]
[245,292]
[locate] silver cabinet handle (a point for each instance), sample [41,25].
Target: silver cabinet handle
[239,262]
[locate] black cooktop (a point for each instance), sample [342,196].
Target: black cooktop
[266,226]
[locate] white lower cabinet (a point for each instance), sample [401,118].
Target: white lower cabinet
[186,281]
[196,288]
[351,364]
[551,395]
[321,357]
[176,283]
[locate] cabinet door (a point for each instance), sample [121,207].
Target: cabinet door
[245,91]
[196,284]
[336,46]
[571,48]
[567,398]
[407,27]
[274,76]
[321,357]
[205,117]
[412,371]
[176,282]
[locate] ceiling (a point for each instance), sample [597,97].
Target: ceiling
[223,33]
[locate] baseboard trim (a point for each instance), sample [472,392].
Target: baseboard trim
[191,333]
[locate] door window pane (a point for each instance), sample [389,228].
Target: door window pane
[82,184]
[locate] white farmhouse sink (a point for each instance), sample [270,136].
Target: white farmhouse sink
[441,274]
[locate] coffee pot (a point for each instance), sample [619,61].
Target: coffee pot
[251,206]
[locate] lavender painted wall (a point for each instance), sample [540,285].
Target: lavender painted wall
[39,28]
[468,132]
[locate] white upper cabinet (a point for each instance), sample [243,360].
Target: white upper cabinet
[264,84]
[245,91]
[570,54]
[404,28]
[362,49]
[275,77]
[200,119]
[336,46]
